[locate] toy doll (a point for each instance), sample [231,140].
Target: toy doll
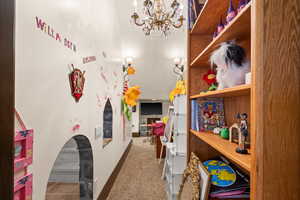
[244,133]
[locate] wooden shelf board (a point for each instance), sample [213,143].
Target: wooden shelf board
[238,29]
[226,148]
[241,90]
[209,16]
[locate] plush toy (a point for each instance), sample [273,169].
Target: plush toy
[231,13]
[220,27]
[210,79]
[242,4]
[232,65]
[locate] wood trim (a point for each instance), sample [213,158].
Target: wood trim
[188,104]
[110,182]
[7,95]
[277,99]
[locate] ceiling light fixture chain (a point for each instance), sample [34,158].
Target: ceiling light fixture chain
[157,17]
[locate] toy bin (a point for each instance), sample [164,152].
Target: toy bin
[23,188]
[23,149]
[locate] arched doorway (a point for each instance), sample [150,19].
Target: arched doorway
[72,173]
[107,123]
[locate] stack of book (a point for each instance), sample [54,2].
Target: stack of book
[240,188]
[207,114]
[195,7]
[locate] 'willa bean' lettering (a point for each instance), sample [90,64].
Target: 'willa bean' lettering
[47,29]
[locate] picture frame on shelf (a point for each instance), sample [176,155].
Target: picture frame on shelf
[204,182]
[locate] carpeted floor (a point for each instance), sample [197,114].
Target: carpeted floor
[140,176]
[63,191]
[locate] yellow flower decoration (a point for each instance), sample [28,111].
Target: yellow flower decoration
[130,71]
[179,89]
[165,119]
[172,95]
[131,95]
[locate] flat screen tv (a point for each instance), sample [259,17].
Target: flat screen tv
[151,108]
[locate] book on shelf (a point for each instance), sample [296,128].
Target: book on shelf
[195,115]
[239,189]
[207,114]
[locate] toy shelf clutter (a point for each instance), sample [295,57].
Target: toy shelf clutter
[23,158]
[201,43]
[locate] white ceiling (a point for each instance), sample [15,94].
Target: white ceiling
[152,55]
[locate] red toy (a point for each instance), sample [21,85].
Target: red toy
[210,79]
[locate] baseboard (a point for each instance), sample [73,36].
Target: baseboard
[110,182]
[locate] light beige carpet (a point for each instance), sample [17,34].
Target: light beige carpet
[140,176]
[63,191]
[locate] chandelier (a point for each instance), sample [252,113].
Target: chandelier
[156,17]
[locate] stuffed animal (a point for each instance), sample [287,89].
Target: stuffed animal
[232,65]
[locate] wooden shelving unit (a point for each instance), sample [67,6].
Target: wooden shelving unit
[236,99]
[238,29]
[225,147]
[271,100]
[241,90]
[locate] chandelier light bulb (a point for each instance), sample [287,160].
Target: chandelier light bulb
[177,61]
[135,5]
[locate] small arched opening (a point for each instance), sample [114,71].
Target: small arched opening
[72,173]
[107,123]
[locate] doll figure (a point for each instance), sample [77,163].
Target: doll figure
[244,133]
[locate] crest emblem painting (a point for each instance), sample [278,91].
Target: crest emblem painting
[77,80]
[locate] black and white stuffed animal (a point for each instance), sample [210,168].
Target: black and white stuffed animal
[232,65]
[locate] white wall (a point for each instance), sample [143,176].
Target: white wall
[43,95]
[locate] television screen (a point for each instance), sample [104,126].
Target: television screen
[151,108]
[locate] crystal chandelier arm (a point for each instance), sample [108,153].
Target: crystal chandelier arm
[174,12]
[135,18]
[181,19]
[175,5]
[149,13]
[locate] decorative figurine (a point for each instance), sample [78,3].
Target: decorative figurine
[243,132]
[231,13]
[232,65]
[220,26]
[217,130]
[235,137]
[224,133]
[215,34]
[242,4]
